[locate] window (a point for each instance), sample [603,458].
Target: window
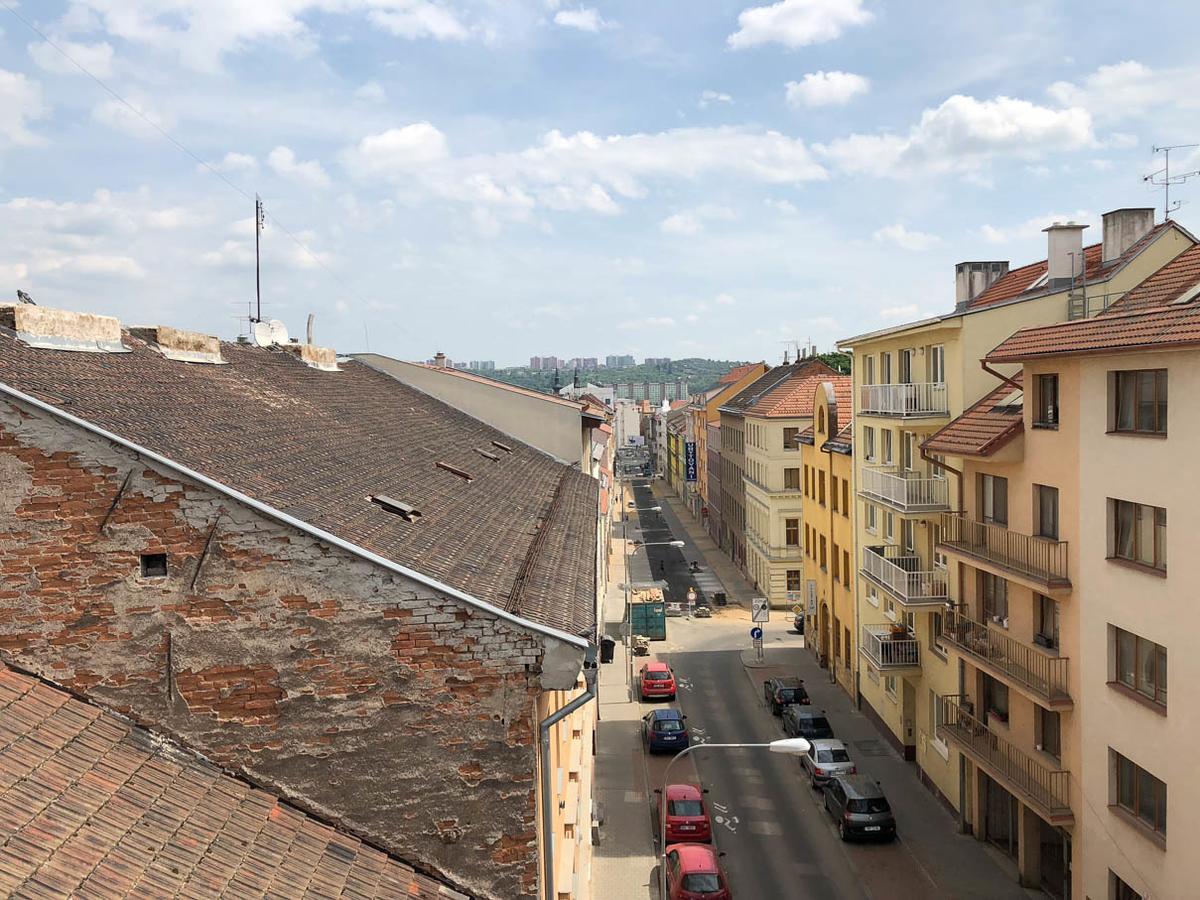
[154,565]
[1138,401]
[846,646]
[789,439]
[1045,510]
[1045,399]
[869,370]
[1141,665]
[906,357]
[822,560]
[791,532]
[872,595]
[908,455]
[821,488]
[908,536]
[791,479]
[820,420]
[886,436]
[846,497]
[993,499]
[793,580]
[936,470]
[835,562]
[993,598]
[1138,533]
[1119,890]
[807,489]
[1139,793]
[889,685]
[935,629]
[846,568]
[872,517]
[1048,731]
[935,715]
[833,491]
[995,698]
[937,364]
[807,540]
[889,527]
[1045,622]
[885,368]
[868,443]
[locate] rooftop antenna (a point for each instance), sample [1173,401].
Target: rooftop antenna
[1164,179]
[259,221]
[795,345]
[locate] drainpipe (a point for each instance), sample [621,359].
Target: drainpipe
[589,677]
[957,473]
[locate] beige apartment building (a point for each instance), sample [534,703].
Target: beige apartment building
[909,383]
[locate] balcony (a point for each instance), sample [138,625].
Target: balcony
[1046,791]
[775,553]
[1034,673]
[888,649]
[1037,562]
[905,490]
[905,401]
[902,576]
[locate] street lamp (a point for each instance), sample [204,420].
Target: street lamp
[790,746]
[638,544]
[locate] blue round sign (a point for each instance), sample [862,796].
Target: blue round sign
[756,633]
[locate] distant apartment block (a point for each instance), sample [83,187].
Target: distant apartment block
[619,362]
[654,391]
[483,365]
[661,361]
[583,363]
[544,362]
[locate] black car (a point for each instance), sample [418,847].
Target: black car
[806,723]
[859,808]
[798,623]
[779,692]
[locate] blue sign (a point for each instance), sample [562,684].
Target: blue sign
[756,633]
[689,460]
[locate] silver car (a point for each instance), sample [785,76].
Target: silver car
[825,758]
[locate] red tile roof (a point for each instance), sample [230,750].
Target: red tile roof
[792,397]
[984,428]
[1156,328]
[92,806]
[1010,285]
[1165,286]
[738,373]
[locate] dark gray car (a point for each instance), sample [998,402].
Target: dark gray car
[859,808]
[801,721]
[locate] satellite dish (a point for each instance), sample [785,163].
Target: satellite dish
[269,333]
[261,332]
[279,332]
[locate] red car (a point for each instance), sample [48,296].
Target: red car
[686,817]
[657,681]
[693,874]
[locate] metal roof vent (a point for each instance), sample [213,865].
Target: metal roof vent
[454,470]
[405,510]
[504,447]
[486,455]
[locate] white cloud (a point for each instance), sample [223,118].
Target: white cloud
[119,117]
[371,92]
[397,151]
[961,135]
[826,89]
[797,23]
[1030,228]
[783,206]
[583,19]
[650,322]
[691,221]
[283,163]
[1130,90]
[96,58]
[899,312]
[724,300]
[708,98]
[905,239]
[419,19]
[20,101]
[92,264]
[237,162]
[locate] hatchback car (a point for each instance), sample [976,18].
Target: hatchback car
[799,721]
[656,682]
[684,813]
[693,873]
[824,759]
[859,808]
[779,692]
[664,729]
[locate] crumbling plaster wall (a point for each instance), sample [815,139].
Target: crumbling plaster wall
[404,714]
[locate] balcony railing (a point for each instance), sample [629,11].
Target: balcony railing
[791,551]
[903,400]
[905,490]
[1047,789]
[1038,673]
[901,574]
[887,648]
[1043,560]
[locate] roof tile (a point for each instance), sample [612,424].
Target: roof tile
[1155,328]
[983,428]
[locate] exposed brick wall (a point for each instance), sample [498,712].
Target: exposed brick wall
[401,712]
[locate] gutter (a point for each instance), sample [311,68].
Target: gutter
[1016,386]
[589,676]
[279,516]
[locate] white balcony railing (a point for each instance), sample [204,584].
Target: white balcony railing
[904,400]
[905,490]
[902,575]
[890,648]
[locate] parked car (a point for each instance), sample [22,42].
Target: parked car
[656,682]
[799,721]
[798,623]
[702,612]
[674,608]
[693,873]
[826,758]
[859,807]
[664,729]
[684,813]
[779,692]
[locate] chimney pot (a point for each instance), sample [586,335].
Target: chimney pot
[1063,244]
[439,359]
[973,278]
[1123,228]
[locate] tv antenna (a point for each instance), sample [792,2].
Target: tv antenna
[1164,179]
[260,220]
[795,345]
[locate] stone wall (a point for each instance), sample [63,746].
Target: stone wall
[404,714]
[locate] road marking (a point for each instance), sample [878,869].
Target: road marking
[767,829]
[632,796]
[749,773]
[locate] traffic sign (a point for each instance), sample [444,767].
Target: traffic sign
[756,633]
[760,609]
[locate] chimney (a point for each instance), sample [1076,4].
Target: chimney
[1123,228]
[1064,253]
[439,359]
[973,278]
[61,329]
[182,346]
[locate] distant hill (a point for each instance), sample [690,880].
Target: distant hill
[701,374]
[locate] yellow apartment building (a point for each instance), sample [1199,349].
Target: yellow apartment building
[909,382]
[828,573]
[1097,418]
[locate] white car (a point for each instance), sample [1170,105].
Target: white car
[674,608]
[825,758]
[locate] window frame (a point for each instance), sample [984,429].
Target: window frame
[1133,532]
[1041,494]
[1122,767]
[1126,384]
[988,509]
[1046,409]
[790,525]
[789,439]
[1154,689]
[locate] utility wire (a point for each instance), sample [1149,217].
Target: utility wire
[169,137]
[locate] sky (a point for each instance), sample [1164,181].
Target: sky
[499,179]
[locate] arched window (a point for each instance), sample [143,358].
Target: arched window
[821,419]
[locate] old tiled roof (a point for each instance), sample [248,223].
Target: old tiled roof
[984,428]
[773,380]
[520,534]
[92,806]
[1168,284]
[738,373]
[794,397]
[1155,328]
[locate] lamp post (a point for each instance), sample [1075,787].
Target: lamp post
[790,746]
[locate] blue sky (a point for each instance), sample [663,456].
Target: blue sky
[505,178]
